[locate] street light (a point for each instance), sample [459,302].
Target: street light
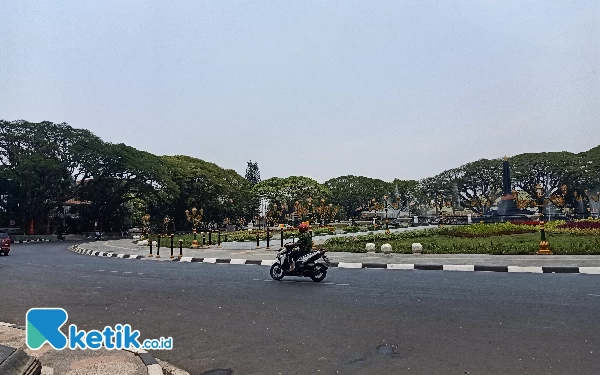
[544,246]
[386,206]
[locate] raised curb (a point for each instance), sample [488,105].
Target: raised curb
[152,365]
[19,362]
[389,266]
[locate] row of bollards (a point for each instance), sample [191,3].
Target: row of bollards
[172,236]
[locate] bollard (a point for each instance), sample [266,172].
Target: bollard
[180,248]
[267,237]
[172,235]
[203,239]
[209,238]
[150,256]
[158,247]
[257,241]
[282,238]
[219,239]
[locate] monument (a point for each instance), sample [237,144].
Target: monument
[507,207]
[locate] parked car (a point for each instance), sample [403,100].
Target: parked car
[4,243]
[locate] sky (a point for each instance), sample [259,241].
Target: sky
[384,89]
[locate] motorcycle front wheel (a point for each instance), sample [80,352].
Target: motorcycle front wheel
[319,275]
[276,271]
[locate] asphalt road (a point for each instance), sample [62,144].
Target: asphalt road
[233,317]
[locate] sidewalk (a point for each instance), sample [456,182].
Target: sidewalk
[248,251]
[71,362]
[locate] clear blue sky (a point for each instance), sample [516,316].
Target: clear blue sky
[383,89]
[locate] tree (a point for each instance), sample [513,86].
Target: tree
[551,169]
[252,173]
[479,183]
[221,193]
[354,193]
[285,192]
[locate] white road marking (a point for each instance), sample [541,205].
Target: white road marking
[114,271]
[238,261]
[101,270]
[590,270]
[342,284]
[210,260]
[594,295]
[525,269]
[140,273]
[267,262]
[392,266]
[128,272]
[186,259]
[349,265]
[458,267]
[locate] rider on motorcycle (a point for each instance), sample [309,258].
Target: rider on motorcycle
[304,245]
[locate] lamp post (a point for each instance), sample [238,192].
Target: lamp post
[544,246]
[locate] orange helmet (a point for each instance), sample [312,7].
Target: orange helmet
[303,228]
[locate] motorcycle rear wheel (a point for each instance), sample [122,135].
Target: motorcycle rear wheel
[276,272]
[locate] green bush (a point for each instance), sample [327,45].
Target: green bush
[437,241]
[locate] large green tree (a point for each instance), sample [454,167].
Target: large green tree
[354,193]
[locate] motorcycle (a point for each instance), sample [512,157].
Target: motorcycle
[314,265]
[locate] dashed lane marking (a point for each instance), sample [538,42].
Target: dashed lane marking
[594,295]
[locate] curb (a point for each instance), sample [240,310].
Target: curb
[389,266]
[16,361]
[152,365]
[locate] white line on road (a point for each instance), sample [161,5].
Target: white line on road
[342,284]
[238,261]
[101,270]
[458,267]
[590,270]
[140,273]
[393,266]
[349,265]
[114,271]
[525,269]
[594,295]
[128,272]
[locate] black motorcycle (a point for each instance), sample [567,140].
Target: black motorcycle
[314,265]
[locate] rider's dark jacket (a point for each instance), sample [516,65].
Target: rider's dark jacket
[304,243]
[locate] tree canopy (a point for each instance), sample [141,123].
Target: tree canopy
[46,167]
